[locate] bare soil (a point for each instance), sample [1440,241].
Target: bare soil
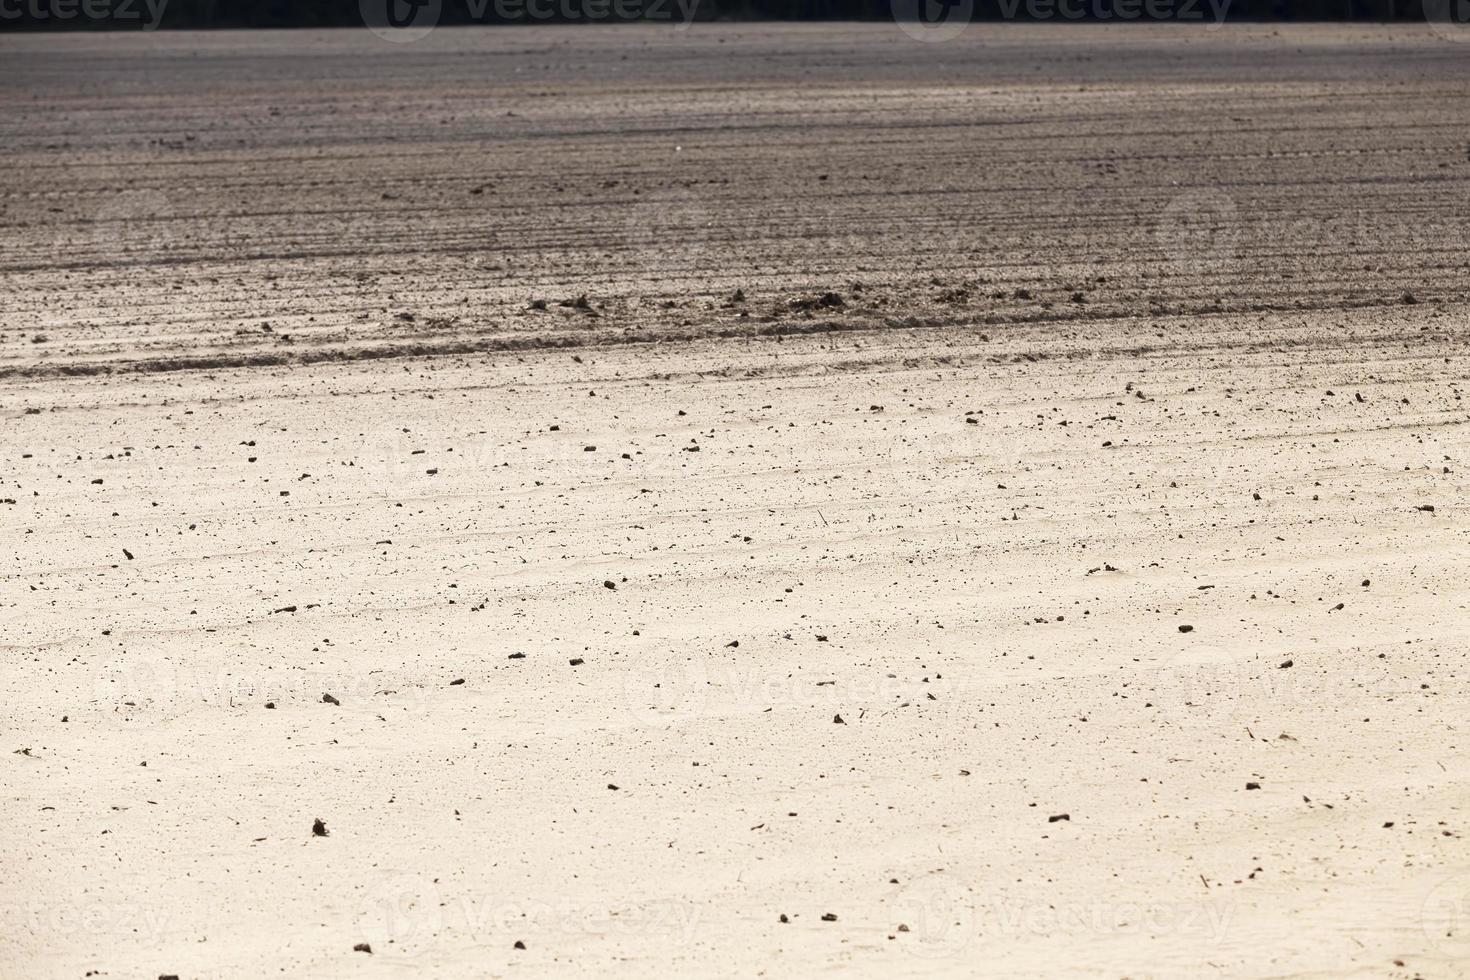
[753,500]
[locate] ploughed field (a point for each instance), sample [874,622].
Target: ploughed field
[759,499]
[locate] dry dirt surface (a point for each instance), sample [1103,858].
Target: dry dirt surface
[747,501]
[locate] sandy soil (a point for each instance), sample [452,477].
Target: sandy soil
[1052,562]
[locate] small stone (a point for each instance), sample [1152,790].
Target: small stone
[520,945]
[828,917]
[576,661]
[318,829]
[1185,628]
[328,699]
[362,948]
[1057,817]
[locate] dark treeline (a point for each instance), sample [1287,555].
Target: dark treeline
[83,14]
